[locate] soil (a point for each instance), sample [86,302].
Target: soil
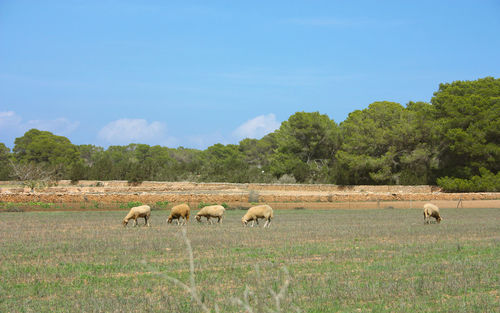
[282,196]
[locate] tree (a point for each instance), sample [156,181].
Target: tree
[468,119]
[33,174]
[387,144]
[224,163]
[89,154]
[306,146]
[46,149]
[78,171]
[103,167]
[420,159]
[5,168]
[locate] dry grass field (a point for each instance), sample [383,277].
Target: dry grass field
[378,260]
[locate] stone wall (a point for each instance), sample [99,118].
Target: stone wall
[232,194]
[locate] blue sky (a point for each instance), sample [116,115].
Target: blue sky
[196,73]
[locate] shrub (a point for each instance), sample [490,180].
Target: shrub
[44,205]
[14,209]
[204,204]
[487,181]
[161,204]
[132,204]
[287,179]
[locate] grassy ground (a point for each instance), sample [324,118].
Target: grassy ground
[382,260]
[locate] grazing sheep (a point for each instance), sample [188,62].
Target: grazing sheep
[178,212]
[136,212]
[431,210]
[216,211]
[260,211]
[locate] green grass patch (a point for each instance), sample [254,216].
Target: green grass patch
[379,260]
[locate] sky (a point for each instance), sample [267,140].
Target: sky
[197,73]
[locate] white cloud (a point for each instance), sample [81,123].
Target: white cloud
[257,127]
[9,119]
[60,126]
[13,126]
[126,130]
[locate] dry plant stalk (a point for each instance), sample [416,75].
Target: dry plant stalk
[245,303]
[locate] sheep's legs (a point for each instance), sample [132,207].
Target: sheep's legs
[255,221]
[268,223]
[427,219]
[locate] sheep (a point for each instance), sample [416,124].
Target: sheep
[216,211]
[178,211]
[431,210]
[136,212]
[260,211]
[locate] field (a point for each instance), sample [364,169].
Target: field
[378,260]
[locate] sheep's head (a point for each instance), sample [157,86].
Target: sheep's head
[125,222]
[198,218]
[244,221]
[169,221]
[439,219]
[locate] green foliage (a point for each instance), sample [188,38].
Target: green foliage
[387,144]
[43,147]
[130,204]
[5,169]
[468,119]
[257,151]
[10,207]
[204,204]
[78,171]
[224,164]
[487,181]
[306,143]
[44,205]
[161,204]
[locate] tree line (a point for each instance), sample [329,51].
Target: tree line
[453,141]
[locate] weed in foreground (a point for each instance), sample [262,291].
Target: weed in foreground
[247,302]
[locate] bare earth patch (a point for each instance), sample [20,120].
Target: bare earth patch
[111,195]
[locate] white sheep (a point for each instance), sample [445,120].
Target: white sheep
[215,211]
[136,212]
[431,210]
[260,211]
[178,212]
